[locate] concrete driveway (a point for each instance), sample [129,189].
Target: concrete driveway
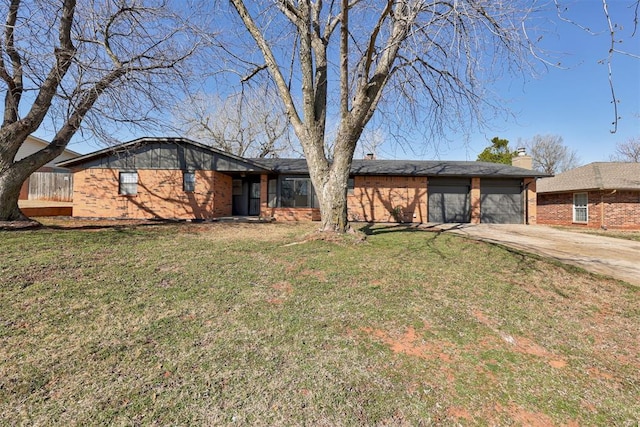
[613,257]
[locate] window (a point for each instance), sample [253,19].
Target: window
[580,207]
[189,181]
[128,183]
[298,193]
[272,193]
[351,184]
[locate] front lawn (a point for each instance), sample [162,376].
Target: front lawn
[265,324]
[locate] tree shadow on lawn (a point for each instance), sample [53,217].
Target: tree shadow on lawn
[73,224]
[371,228]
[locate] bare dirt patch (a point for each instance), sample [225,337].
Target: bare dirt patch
[521,344]
[411,344]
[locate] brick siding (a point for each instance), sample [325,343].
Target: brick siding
[292,214]
[531,201]
[388,199]
[612,210]
[160,195]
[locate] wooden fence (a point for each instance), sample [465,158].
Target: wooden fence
[51,186]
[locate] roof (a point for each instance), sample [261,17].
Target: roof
[594,176]
[140,142]
[33,144]
[299,166]
[410,168]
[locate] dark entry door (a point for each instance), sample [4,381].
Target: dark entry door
[501,201]
[449,200]
[240,200]
[254,198]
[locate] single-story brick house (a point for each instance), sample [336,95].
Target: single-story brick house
[182,179]
[600,194]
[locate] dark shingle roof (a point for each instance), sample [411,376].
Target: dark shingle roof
[594,176]
[140,142]
[409,168]
[359,167]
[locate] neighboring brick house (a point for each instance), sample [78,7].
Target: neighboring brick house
[182,179]
[600,194]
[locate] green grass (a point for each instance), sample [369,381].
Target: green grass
[265,324]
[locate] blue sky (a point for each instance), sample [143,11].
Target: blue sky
[573,101]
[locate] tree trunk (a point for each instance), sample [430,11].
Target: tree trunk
[333,203]
[330,178]
[10,183]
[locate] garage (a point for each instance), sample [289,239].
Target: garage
[501,201]
[449,200]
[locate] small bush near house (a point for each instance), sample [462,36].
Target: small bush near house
[261,324]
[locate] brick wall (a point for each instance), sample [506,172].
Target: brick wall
[160,195]
[388,198]
[612,210]
[531,201]
[292,214]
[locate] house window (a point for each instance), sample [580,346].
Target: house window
[128,183]
[351,184]
[272,193]
[580,207]
[189,181]
[298,193]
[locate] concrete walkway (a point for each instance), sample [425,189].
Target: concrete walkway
[609,256]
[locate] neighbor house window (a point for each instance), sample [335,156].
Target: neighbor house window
[351,184]
[189,181]
[580,209]
[128,183]
[298,193]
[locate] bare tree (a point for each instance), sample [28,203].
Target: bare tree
[613,30]
[68,66]
[245,124]
[550,155]
[370,142]
[344,57]
[627,151]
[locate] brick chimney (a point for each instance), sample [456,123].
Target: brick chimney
[522,160]
[370,156]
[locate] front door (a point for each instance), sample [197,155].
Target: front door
[254,199]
